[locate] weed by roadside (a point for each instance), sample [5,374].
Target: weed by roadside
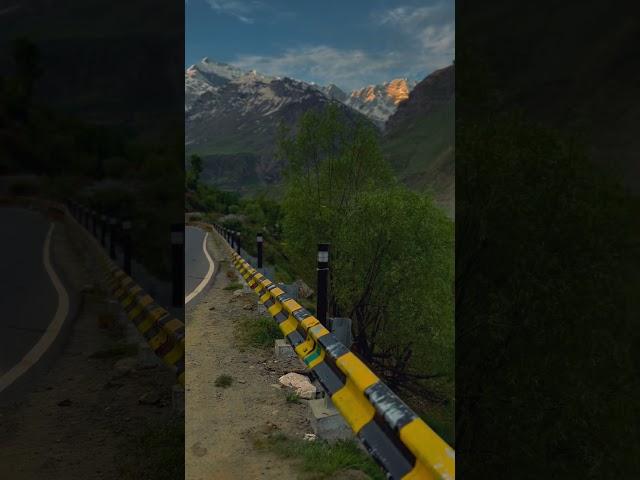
[319,458]
[223,381]
[257,332]
[233,286]
[293,397]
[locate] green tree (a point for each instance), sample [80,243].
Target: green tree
[395,280]
[330,163]
[391,252]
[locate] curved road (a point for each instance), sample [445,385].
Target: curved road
[198,265]
[33,302]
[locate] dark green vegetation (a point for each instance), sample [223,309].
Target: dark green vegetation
[223,381]
[322,460]
[391,254]
[546,262]
[258,332]
[158,453]
[112,169]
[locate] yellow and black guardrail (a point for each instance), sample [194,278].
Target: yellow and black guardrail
[400,441]
[163,332]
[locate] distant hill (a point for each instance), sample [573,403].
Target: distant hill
[420,138]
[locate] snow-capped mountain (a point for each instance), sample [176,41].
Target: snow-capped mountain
[231,112]
[379,102]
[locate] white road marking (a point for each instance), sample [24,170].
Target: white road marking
[206,278]
[62,310]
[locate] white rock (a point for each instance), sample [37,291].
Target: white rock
[301,384]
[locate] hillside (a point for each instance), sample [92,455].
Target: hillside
[420,136]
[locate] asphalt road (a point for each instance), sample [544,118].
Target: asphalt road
[198,268]
[28,299]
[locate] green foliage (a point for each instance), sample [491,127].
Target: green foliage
[292,397]
[391,255]
[233,286]
[331,163]
[323,459]
[258,332]
[393,273]
[223,381]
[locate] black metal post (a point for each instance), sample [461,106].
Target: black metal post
[126,246]
[259,241]
[323,283]
[112,237]
[238,242]
[177,263]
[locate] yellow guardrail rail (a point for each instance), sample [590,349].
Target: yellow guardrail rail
[400,441]
[163,332]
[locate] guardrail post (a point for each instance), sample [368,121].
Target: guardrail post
[103,230]
[323,283]
[177,263]
[126,246]
[259,241]
[238,242]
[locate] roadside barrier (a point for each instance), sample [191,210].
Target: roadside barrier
[163,332]
[400,441]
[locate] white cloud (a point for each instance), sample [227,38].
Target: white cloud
[431,27]
[423,40]
[243,11]
[407,16]
[323,64]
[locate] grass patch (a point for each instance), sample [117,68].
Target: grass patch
[292,397]
[117,351]
[257,332]
[155,453]
[320,458]
[224,381]
[233,286]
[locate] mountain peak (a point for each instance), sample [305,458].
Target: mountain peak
[378,102]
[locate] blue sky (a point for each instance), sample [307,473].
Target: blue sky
[351,43]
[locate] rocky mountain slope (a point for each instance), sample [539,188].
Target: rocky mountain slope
[232,118]
[419,138]
[379,102]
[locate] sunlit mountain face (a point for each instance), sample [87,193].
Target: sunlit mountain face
[379,102]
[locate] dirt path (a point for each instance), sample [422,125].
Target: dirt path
[83,419]
[221,424]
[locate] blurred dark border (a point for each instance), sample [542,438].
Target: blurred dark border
[547,230]
[92,112]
